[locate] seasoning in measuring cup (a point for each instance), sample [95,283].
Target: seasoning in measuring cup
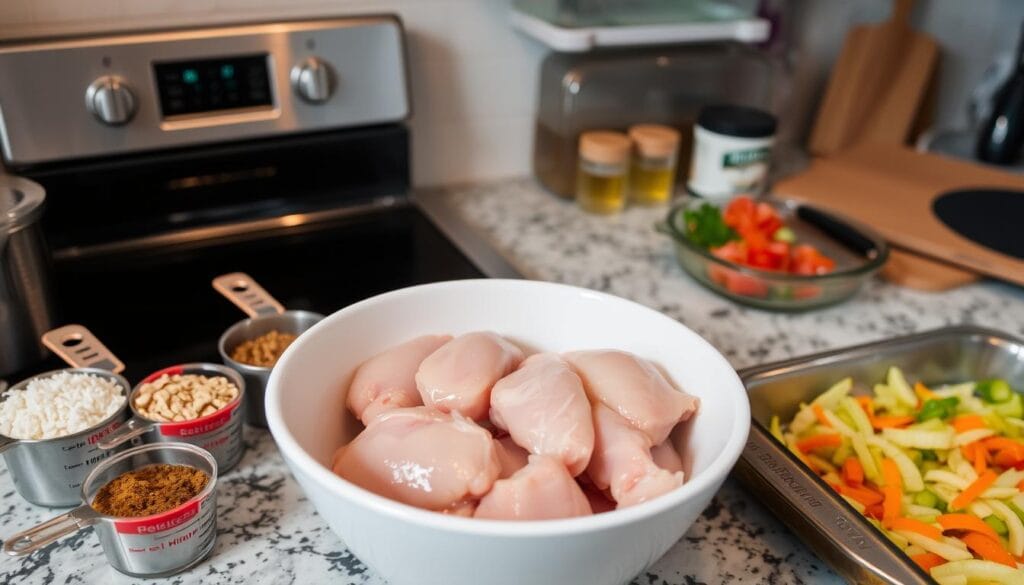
[150,490]
[263,351]
[182,397]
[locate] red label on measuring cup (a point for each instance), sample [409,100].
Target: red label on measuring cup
[159,523]
[199,426]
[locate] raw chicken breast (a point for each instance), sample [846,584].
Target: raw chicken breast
[543,406]
[634,388]
[512,456]
[388,379]
[458,377]
[666,457]
[421,457]
[543,490]
[622,461]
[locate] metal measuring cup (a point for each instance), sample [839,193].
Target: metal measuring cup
[149,546]
[50,472]
[265,315]
[219,432]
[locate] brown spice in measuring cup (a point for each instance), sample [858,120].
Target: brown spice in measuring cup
[263,351]
[149,490]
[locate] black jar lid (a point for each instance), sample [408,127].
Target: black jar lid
[737,121]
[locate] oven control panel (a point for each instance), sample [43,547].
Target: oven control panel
[88,97]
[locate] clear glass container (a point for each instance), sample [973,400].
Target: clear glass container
[602,178]
[617,88]
[652,175]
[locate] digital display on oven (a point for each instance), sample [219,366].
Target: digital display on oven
[212,85]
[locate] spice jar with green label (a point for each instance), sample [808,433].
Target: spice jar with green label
[602,178]
[731,151]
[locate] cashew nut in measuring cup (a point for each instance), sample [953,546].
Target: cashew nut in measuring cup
[267,317]
[218,429]
[157,545]
[49,471]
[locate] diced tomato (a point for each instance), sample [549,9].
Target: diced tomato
[768,221]
[808,260]
[806,291]
[745,285]
[739,211]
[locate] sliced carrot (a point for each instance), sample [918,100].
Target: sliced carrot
[988,549]
[967,422]
[911,525]
[1020,485]
[974,490]
[818,441]
[891,504]
[819,412]
[1008,458]
[867,405]
[891,422]
[891,474]
[853,471]
[862,494]
[923,393]
[1003,444]
[927,561]
[967,522]
[874,511]
[980,461]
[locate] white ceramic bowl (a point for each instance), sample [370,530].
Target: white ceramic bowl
[408,546]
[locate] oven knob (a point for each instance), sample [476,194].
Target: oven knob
[313,80]
[111,100]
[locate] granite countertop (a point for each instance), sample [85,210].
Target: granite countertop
[269,532]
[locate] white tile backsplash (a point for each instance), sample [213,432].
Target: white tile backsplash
[474,80]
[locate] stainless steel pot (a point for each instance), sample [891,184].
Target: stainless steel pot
[50,472]
[148,546]
[265,315]
[26,299]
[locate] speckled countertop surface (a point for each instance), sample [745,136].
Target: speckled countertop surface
[269,532]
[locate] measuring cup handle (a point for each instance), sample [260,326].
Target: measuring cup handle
[38,536]
[126,432]
[247,294]
[81,349]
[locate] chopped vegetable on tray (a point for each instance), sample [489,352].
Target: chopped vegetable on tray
[939,471]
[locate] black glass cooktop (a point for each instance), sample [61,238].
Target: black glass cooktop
[157,309]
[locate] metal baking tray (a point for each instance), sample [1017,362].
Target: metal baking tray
[824,521]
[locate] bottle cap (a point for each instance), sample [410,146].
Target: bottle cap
[606,147]
[653,140]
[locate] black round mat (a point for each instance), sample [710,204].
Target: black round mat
[993,218]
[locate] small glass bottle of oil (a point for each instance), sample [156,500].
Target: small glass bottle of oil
[603,175]
[655,159]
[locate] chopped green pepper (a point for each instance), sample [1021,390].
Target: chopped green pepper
[706,228]
[1013,407]
[926,498]
[928,455]
[994,391]
[784,234]
[997,524]
[938,408]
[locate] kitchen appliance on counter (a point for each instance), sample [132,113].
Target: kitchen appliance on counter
[26,299]
[171,157]
[615,89]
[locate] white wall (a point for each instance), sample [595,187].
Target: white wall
[473,79]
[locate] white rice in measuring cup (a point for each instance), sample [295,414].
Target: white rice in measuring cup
[59,405]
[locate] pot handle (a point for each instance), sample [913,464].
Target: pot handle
[247,294]
[126,432]
[38,536]
[77,346]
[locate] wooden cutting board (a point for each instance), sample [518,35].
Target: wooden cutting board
[877,86]
[892,189]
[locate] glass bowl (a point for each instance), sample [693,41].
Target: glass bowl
[781,291]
